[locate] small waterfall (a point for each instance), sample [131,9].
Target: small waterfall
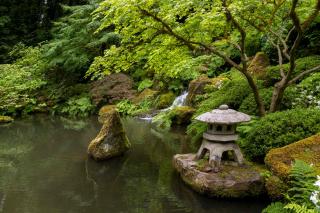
[179,101]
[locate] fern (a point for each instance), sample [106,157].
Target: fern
[302,178]
[296,208]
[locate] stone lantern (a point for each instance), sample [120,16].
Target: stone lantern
[221,135]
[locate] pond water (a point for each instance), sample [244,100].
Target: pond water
[44,168]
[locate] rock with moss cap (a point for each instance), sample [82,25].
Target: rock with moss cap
[111,140]
[280,160]
[230,182]
[259,65]
[5,119]
[165,100]
[104,112]
[182,115]
[146,94]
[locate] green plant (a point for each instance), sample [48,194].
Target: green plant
[273,74]
[279,129]
[276,207]
[78,106]
[302,184]
[146,83]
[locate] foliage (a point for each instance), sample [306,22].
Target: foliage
[78,106]
[250,107]
[308,92]
[146,83]
[276,207]
[74,43]
[302,179]
[127,108]
[231,93]
[280,129]
[273,74]
[18,81]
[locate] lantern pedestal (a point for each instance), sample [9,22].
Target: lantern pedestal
[215,153]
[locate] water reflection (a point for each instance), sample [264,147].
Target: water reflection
[44,168]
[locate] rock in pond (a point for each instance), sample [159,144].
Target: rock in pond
[230,182]
[111,140]
[5,119]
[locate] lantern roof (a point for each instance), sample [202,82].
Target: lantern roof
[223,115]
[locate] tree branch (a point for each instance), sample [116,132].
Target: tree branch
[304,73]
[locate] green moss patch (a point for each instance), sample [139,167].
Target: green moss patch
[308,150]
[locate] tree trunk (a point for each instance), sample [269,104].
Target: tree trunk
[256,94]
[277,96]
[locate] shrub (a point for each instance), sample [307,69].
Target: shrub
[78,106]
[249,105]
[280,129]
[273,74]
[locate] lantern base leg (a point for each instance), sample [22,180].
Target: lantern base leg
[216,150]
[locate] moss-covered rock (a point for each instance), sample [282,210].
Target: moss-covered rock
[182,115]
[280,160]
[196,87]
[104,112]
[5,119]
[145,95]
[165,100]
[276,188]
[231,182]
[111,140]
[258,65]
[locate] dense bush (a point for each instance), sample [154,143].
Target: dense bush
[249,105]
[273,73]
[78,106]
[19,81]
[232,93]
[279,129]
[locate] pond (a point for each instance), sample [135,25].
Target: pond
[44,168]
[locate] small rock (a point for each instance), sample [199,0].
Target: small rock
[146,94]
[259,64]
[182,115]
[5,119]
[111,140]
[196,87]
[230,182]
[165,100]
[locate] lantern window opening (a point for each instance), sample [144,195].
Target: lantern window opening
[219,128]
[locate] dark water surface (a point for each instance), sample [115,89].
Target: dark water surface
[44,168]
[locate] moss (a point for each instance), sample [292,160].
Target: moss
[5,119]
[165,100]
[105,111]
[182,115]
[146,94]
[280,160]
[276,188]
[258,65]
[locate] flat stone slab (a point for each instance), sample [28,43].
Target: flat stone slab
[231,182]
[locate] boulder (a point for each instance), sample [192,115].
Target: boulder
[5,119]
[111,140]
[203,85]
[230,182]
[165,100]
[182,115]
[111,89]
[280,160]
[104,112]
[259,65]
[146,94]
[196,87]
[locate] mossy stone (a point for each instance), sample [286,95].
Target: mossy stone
[230,182]
[165,100]
[5,119]
[146,94]
[111,140]
[276,188]
[280,160]
[182,115]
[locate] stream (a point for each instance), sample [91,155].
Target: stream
[44,168]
